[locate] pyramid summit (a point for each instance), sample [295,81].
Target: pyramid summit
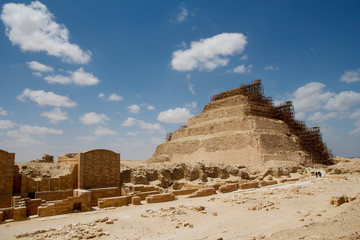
[242,126]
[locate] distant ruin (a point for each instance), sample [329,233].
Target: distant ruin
[242,126]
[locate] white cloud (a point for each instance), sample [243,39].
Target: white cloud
[356,116]
[36,66]
[32,28]
[114,97]
[39,130]
[192,104]
[3,112]
[311,97]
[79,77]
[209,53]
[319,117]
[271,68]
[102,131]
[343,101]
[182,16]
[143,125]
[82,78]
[55,115]
[5,124]
[58,79]
[28,141]
[134,108]
[300,116]
[177,115]
[43,98]
[37,74]
[17,134]
[156,140]
[93,118]
[101,95]
[244,57]
[351,76]
[191,88]
[150,107]
[243,69]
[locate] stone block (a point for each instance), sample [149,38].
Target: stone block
[136,200]
[143,195]
[267,183]
[19,213]
[164,197]
[203,192]
[1,216]
[113,202]
[229,188]
[249,185]
[184,191]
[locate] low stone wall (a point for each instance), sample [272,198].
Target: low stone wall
[81,201]
[267,183]
[97,193]
[7,213]
[136,200]
[249,185]
[164,197]
[113,201]
[143,195]
[19,214]
[184,191]
[203,192]
[229,188]
[32,206]
[143,188]
[288,180]
[54,195]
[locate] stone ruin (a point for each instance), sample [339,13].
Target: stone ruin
[242,126]
[91,176]
[45,159]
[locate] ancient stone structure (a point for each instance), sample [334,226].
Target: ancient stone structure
[242,126]
[91,176]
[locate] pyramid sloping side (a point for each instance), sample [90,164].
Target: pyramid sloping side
[226,132]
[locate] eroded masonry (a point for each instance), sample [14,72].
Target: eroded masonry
[242,126]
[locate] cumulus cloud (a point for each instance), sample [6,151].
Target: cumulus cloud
[93,118]
[143,125]
[134,108]
[36,66]
[114,97]
[79,77]
[209,53]
[43,98]
[319,117]
[311,97]
[55,115]
[351,76]
[343,101]
[193,104]
[32,28]
[132,133]
[39,130]
[101,95]
[244,57]
[3,112]
[243,69]
[150,107]
[102,131]
[5,124]
[356,116]
[177,115]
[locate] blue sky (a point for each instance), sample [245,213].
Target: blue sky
[79,75]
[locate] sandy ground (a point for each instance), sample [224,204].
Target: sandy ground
[297,210]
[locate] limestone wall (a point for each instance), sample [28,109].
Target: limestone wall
[103,193]
[7,161]
[54,195]
[99,168]
[113,202]
[164,197]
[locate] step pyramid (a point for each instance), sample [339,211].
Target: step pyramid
[242,126]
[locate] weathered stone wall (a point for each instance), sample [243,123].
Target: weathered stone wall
[7,161]
[103,193]
[99,168]
[54,195]
[164,197]
[113,201]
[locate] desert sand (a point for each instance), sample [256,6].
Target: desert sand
[291,210]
